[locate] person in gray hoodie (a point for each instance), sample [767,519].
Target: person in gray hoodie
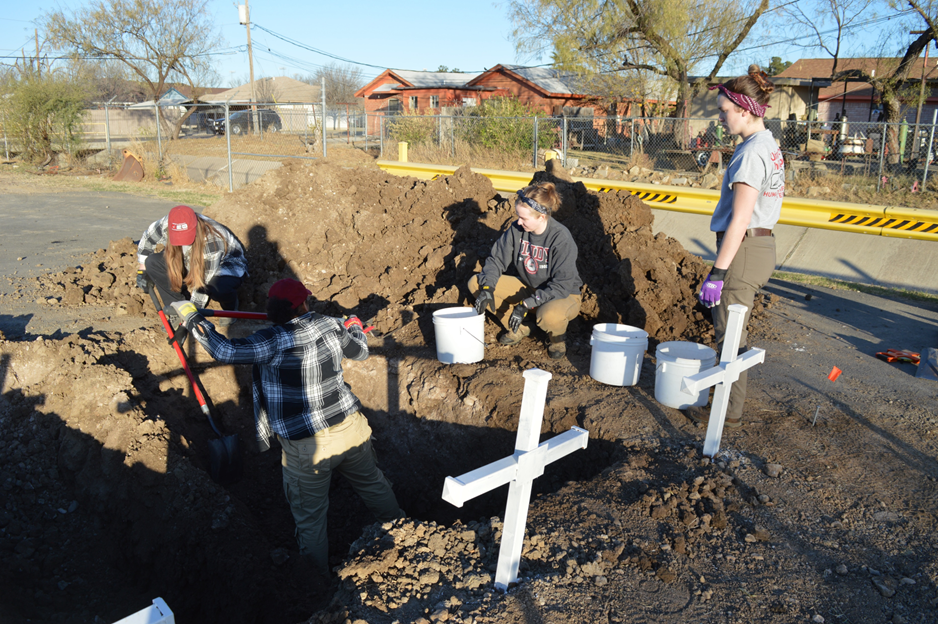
[532,268]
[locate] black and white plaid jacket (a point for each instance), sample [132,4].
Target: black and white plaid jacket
[218,259]
[297,373]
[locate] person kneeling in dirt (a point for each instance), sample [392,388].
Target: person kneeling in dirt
[542,255]
[201,259]
[301,397]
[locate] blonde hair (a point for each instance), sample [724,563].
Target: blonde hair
[194,278]
[544,193]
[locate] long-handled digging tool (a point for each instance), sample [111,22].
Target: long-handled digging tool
[224,453]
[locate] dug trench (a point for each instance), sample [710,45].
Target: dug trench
[130,442]
[106,501]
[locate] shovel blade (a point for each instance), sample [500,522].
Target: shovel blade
[224,454]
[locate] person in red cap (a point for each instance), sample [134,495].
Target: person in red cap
[300,396]
[185,235]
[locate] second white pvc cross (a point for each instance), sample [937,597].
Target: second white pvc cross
[723,376]
[526,464]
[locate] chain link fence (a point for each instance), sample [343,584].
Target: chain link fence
[232,145]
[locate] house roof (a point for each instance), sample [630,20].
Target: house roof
[553,81]
[433,79]
[550,81]
[406,79]
[172,97]
[284,90]
[807,69]
[187,91]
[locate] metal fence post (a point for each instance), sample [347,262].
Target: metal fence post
[381,133]
[366,131]
[228,141]
[928,153]
[440,129]
[564,142]
[159,137]
[631,136]
[882,154]
[107,129]
[535,142]
[452,134]
[324,117]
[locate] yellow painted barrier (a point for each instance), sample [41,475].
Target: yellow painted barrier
[892,221]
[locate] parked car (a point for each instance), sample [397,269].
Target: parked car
[243,121]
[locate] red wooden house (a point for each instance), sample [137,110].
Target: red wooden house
[427,93]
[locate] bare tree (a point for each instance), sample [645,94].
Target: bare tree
[829,22]
[265,90]
[342,81]
[669,38]
[160,41]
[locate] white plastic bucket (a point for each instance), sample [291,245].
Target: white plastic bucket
[460,335]
[618,353]
[677,360]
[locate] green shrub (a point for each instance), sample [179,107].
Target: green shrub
[413,129]
[43,114]
[505,124]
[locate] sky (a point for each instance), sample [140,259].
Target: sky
[416,35]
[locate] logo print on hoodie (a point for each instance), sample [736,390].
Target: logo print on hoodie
[533,255]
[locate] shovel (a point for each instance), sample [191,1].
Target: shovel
[224,453]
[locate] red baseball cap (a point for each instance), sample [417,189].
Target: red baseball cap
[289,290]
[182,226]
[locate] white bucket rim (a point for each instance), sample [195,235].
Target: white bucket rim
[451,314]
[705,353]
[605,335]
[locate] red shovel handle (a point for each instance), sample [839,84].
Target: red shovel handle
[182,360]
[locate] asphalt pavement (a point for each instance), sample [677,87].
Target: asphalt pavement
[863,258]
[45,231]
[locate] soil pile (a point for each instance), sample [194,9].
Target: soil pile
[383,247]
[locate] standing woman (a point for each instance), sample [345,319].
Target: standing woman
[201,260]
[532,267]
[749,207]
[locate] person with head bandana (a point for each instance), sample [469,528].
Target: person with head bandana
[749,207]
[531,274]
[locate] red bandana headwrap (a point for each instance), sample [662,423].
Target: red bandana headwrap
[743,101]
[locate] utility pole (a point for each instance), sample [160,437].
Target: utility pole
[245,16]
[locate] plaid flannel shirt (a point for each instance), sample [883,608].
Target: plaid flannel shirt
[218,261]
[297,372]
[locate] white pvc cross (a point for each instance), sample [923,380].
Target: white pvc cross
[723,376]
[526,464]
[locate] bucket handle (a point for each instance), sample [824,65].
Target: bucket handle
[466,331]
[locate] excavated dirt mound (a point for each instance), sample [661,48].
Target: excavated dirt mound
[105,501]
[390,248]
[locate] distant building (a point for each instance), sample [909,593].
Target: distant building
[855,99]
[427,93]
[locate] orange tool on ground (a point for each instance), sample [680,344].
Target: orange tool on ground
[898,355]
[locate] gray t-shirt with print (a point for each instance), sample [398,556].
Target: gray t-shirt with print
[758,163]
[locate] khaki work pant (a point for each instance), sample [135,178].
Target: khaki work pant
[552,317]
[307,472]
[751,269]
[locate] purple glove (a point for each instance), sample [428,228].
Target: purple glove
[712,288]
